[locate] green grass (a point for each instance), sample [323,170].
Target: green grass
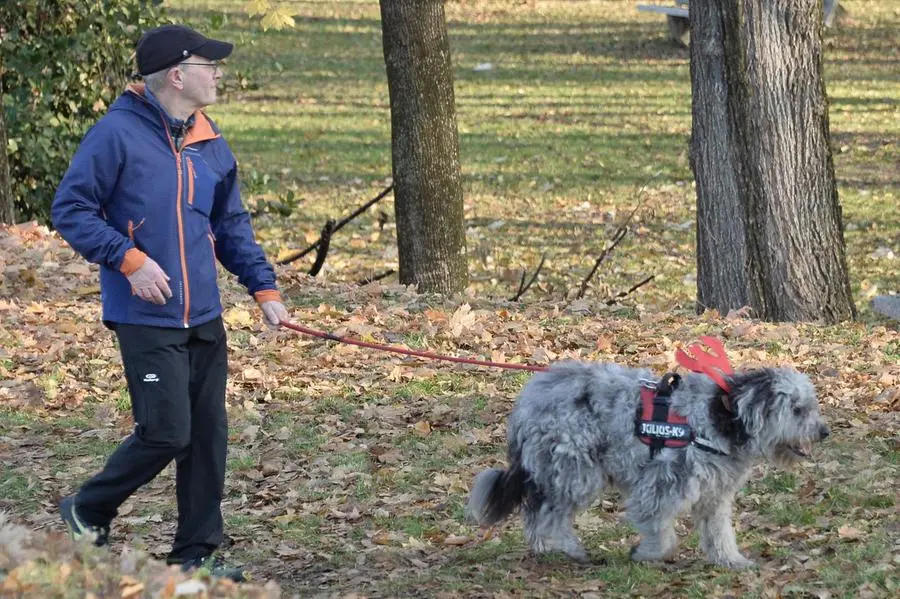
[12,419]
[123,401]
[304,529]
[19,492]
[429,388]
[779,482]
[337,405]
[242,463]
[791,514]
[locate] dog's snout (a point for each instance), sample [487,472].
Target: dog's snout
[824,432]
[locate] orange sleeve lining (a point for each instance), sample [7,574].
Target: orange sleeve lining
[267,295]
[134,259]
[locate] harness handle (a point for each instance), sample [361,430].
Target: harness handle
[667,384]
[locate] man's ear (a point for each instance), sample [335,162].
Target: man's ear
[176,78]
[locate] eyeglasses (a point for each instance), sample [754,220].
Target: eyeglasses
[217,66]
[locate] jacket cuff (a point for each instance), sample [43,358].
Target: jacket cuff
[134,259]
[267,295]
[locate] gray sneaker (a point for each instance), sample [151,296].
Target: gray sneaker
[78,528]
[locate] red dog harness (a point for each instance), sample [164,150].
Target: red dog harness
[659,425]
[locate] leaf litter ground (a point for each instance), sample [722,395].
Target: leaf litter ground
[348,468]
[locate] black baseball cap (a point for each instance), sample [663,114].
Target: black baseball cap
[168,45]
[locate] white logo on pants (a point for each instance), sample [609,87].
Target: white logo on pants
[151,378]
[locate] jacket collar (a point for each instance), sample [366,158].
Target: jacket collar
[199,126]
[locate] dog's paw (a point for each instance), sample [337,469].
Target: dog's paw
[582,559]
[736,563]
[637,555]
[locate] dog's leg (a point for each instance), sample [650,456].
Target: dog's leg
[712,517]
[658,539]
[549,529]
[652,508]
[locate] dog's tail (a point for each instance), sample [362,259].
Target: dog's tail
[496,494]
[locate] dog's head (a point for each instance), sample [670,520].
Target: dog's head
[779,413]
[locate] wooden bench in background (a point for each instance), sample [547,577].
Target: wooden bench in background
[676,19]
[680,25]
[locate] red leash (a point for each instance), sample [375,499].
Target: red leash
[408,352]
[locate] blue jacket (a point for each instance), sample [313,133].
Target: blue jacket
[129,193]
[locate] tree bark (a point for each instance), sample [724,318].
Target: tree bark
[7,202]
[428,198]
[769,219]
[721,247]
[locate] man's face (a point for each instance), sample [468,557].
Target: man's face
[200,78]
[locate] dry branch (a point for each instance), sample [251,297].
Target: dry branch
[377,277]
[523,287]
[620,233]
[322,252]
[631,289]
[340,225]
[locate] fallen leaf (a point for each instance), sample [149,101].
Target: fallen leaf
[238,318]
[456,540]
[849,533]
[285,550]
[252,374]
[270,467]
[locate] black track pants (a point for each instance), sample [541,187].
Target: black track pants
[176,378]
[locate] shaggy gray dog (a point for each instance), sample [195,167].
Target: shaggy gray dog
[572,432]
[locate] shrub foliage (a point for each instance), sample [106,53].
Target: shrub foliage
[62,62]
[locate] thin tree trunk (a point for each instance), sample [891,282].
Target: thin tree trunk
[778,136]
[7,203]
[425,146]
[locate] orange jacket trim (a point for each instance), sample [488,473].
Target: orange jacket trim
[267,295]
[134,259]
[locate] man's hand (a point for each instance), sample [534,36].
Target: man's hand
[149,283]
[275,313]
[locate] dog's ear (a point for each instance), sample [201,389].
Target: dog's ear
[725,420]
[752,397]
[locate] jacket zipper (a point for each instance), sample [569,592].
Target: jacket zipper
[184,269]
[180,219]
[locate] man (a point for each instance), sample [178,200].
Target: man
[152,196]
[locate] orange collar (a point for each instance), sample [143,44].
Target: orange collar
[202,129]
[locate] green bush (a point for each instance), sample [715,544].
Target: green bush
[62,62]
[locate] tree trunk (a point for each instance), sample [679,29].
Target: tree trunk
[769,219]
[7,203]
[721,248]
[424,145]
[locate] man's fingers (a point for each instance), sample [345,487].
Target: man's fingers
[157,296]
[149,283]
[164,287]
[151,294]
[153,265]
[275,313]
